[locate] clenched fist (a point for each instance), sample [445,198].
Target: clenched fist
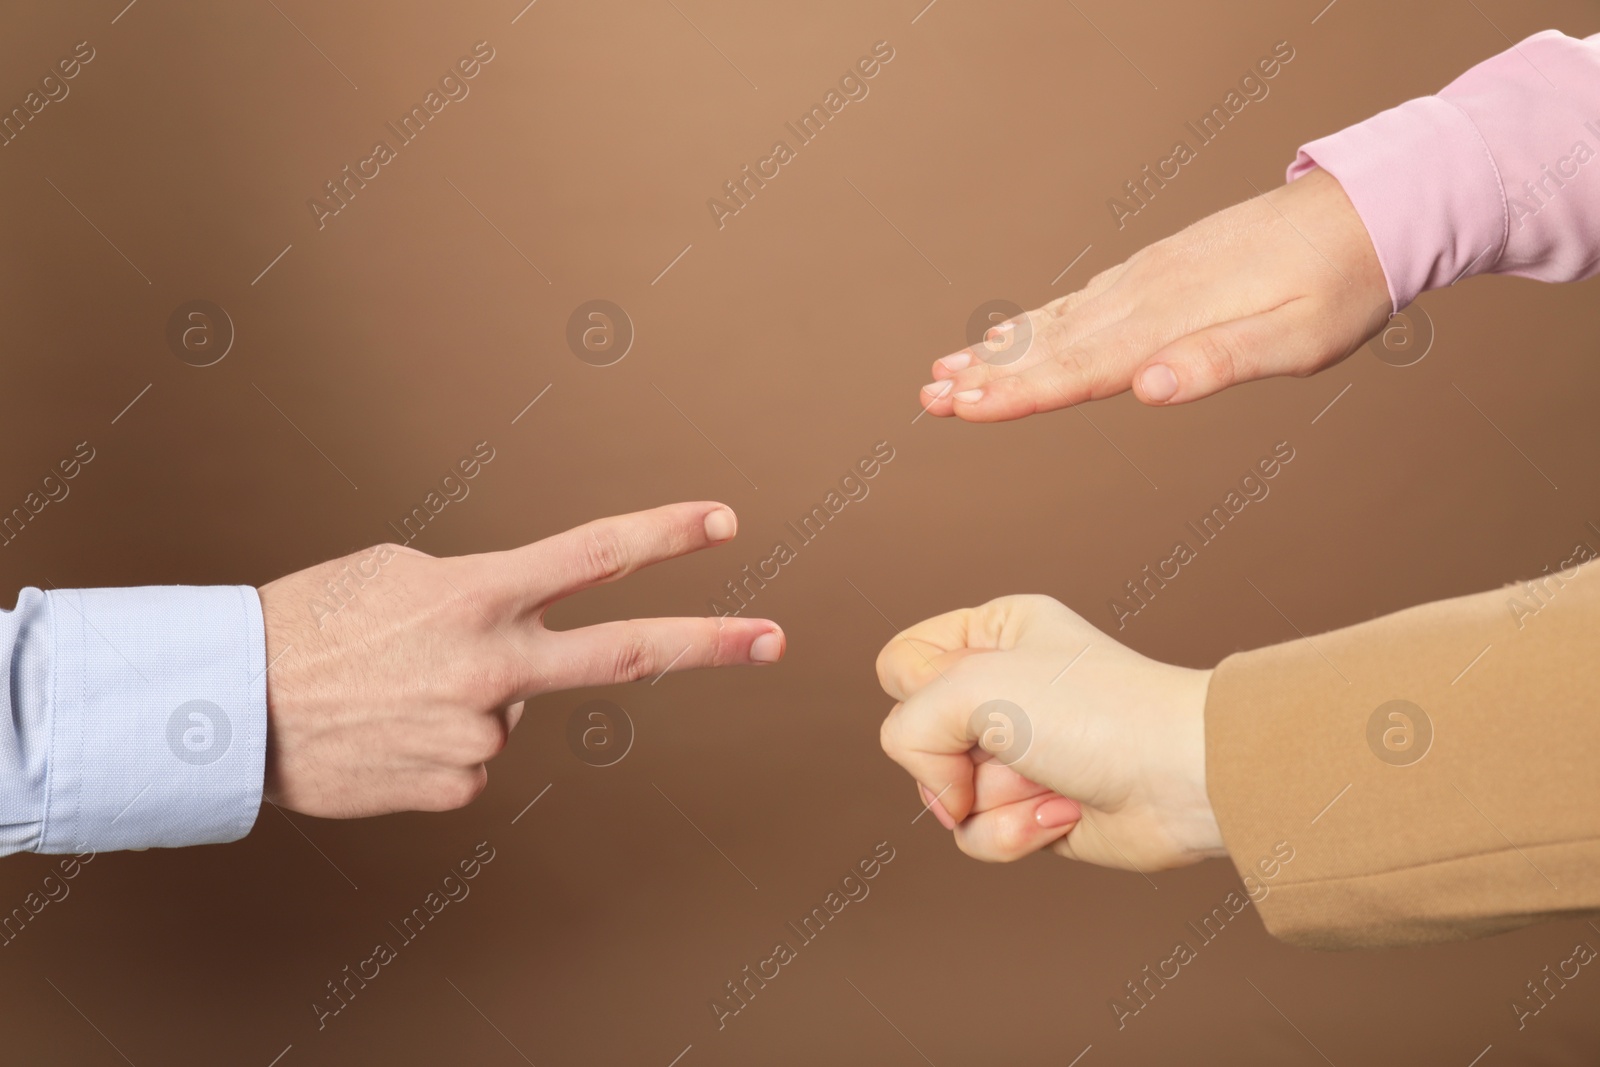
[1026,728]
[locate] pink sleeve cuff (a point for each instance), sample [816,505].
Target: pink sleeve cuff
[1423,182]
[1495,174]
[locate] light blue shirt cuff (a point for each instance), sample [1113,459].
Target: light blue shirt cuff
[156,715]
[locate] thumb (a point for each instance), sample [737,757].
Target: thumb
[909,664]
[1286,340]
[915,657]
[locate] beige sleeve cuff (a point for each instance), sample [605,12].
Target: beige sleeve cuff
[1471,808]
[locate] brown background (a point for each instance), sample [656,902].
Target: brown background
[409,329]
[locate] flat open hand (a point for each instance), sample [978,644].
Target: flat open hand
[1285,283]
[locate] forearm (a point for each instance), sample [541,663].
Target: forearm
[1495,174]
[134,718]
[1471,814]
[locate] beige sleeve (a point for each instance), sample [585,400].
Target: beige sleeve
[1471,809]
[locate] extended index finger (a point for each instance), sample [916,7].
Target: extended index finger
[604,550]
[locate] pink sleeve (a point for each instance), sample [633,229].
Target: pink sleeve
[1498,173]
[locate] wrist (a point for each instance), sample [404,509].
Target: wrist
[1432,223]
[1325,214]
[1194,823]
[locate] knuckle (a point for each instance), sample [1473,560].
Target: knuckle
[634,658]
[885,667]
[970,378]
[889,734]
[1053,346]
[1143,258]
[461,789]
[605,557]
[1003,841]
[375,557]
[1219,356]
[1042,606]
[490,738]
[486,682]
[1011,840]
[724,646]
[1063,304]
[464,607]
[1008,387]
[1105,279]
[977,850]
[1051,338]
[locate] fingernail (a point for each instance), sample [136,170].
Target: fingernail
[970,396]
[931,802]
[959,361]
[937,389]
[1158,383]
[767,648]
[721,525]
[1057,812]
